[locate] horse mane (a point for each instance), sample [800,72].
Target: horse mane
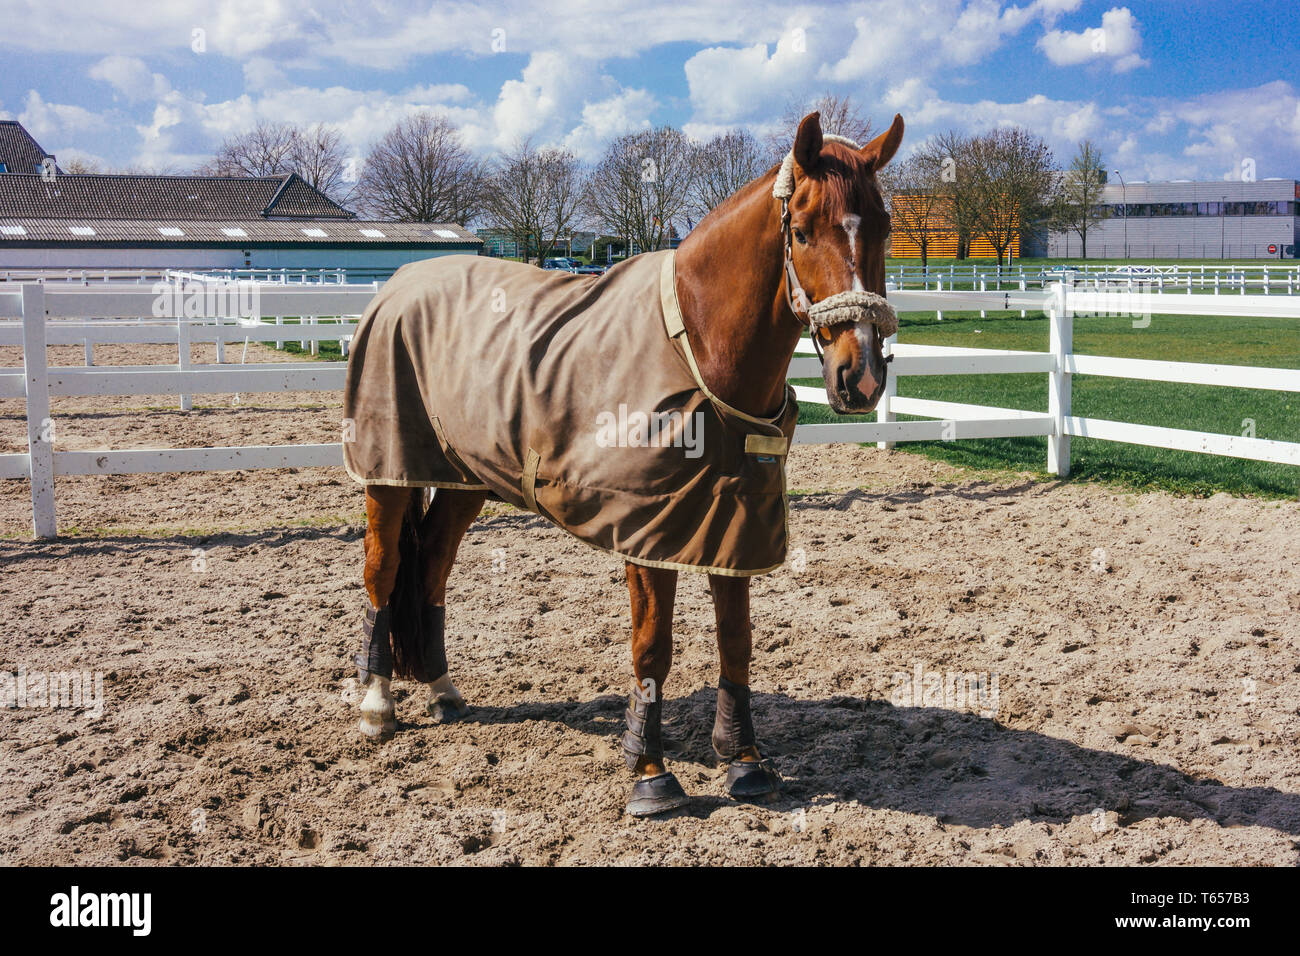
[839,172]
[844,188]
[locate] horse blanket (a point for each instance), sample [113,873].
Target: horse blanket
[575,397]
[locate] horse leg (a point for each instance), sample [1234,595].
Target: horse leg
[652,591]
[445,524]
[749,776]
[386,508]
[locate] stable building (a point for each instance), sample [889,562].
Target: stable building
[918,219]
[1191,220]
[55,220]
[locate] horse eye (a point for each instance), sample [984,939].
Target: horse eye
[800,237]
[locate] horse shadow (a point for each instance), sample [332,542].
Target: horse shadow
[959,768]
[967,491]
[15,551]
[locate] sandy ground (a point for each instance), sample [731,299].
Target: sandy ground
[1138,655]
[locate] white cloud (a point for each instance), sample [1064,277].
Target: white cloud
[1118,39]
[47,120]
[626,112]
[1225,128]
[911,93]
[388,36]
[536,105]
[130,77]
[743,65]
[263,73]
[1203,137]
[925,37]
[729,84]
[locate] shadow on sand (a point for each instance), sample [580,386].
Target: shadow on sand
[957,767]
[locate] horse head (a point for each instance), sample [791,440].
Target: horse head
[835,230]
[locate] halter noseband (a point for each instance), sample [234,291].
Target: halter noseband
[853,305]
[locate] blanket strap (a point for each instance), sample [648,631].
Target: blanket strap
[676,329]
[528,487]
[766,444]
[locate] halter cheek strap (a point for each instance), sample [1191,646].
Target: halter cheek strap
[853,305]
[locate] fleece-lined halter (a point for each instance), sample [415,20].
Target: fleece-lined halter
[853,305]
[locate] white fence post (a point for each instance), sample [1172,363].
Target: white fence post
[1061,323]
[183,357]
[883,411]
[40,426]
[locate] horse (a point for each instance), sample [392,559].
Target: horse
[801,248]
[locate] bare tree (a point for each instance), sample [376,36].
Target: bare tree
[512,196]
[319,156]
[919,203]
[643,185]
[79,166]
[264,150]
[840,115]
[565,187]
[723,165]
[953,152]
[1012,173]
[316,153]
[535,195]
[1077,206]
[420,171]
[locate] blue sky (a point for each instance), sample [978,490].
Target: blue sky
[1166,89]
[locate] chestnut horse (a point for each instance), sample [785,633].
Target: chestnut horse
[748,278]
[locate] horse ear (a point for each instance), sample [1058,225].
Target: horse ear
[882,149]
[808,142]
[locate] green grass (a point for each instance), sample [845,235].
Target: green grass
[1250,341]
[327,350]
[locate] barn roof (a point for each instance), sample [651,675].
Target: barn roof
[176,198]
[19,153]
[231,232]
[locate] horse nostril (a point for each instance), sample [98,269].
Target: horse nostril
[842,387]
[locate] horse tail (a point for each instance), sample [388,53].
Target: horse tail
[409,600]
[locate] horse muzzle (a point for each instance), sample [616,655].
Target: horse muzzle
[855,369]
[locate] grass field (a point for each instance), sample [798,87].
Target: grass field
[1259,342]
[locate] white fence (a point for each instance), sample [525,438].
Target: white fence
[1265,280]
[54,314]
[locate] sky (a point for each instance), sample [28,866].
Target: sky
[1168,89]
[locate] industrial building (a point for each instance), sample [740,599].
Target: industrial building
[1191,220]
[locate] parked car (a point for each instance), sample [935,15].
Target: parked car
[562,262]
[590,270]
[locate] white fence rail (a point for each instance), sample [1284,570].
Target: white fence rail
[50,314]
[1235,279]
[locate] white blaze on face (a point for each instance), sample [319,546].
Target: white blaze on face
[850,225]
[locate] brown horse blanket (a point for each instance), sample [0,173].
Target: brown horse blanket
[575,397]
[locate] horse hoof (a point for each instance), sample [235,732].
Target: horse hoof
[378,720]
[447,710]
[752,779]
[654,795]
[375,727]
